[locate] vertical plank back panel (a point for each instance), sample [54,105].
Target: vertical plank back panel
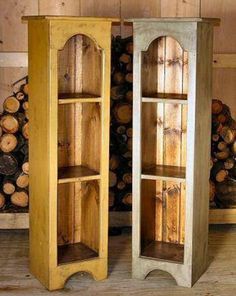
[92,67]
[178,83]
[161,69]
[91,136]
[172,138]
[148,211]
[90,214]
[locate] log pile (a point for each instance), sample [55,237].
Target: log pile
[120,185]
[223,157]
[14,165]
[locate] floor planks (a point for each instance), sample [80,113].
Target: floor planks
[219,280]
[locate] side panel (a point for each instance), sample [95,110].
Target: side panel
[202,149]
[39,97]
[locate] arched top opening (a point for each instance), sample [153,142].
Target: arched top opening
[165,69]
[80,67]
[164,82]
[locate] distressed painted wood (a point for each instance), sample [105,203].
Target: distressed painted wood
[220,278]
[184,225]
[72,217]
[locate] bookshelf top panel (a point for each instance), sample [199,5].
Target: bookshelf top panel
[214,21]
[70,18]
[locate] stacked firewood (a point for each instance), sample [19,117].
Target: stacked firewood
[14,165]
[120,185]
[223,157]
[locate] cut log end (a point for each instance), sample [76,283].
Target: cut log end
[8,142]
[11,105]
[20,199]
[9,124]
[8,187]
[25,167]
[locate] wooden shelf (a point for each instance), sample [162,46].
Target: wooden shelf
[222,216]
[71,98]
[164,251]
[75,252]
[14,220]
[164,172]
[76,173]
[165,98]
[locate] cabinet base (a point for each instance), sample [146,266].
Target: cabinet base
[59,275]
[182,273]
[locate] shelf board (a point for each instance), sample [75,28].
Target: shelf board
[165,98]
[13,220]
[164,172]
[222,216]
[76,173]
[164,251]
[71,98]
[75,252]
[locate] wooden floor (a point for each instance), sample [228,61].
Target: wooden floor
[219,280]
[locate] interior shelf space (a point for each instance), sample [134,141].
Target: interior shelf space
[79,150]
[75,252]
[170,98]
[70,98]
[79,142]
[163,150]
[164,251]
[79,71]
[78,221]
[162,220]
[164,172]
[76,173]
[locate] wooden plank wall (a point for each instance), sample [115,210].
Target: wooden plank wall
[13,34]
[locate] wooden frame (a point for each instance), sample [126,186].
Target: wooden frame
[181,251]
[69,205]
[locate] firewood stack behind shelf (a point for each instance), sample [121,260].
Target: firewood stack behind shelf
[120,191]
[223,153]
[14,165]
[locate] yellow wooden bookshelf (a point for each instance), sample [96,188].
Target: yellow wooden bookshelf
[69,97]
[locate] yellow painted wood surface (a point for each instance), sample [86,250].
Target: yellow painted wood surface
[80,212]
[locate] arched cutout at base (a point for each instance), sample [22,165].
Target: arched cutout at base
[179,273]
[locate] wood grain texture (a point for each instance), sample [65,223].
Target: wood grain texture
[8,77]
[14,221]
[224,87]
[194,206]
[179,8]
[102,8]
[220,278]
[86,216]
[225,36]
[66,7]
[13,34]
[135,9]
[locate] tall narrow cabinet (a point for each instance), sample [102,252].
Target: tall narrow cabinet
[69,93]
[171,146]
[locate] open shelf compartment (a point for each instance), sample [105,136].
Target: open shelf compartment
[78,221]
[162,220]
[79,149]
[164,136]
[79,83]
[76,173]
